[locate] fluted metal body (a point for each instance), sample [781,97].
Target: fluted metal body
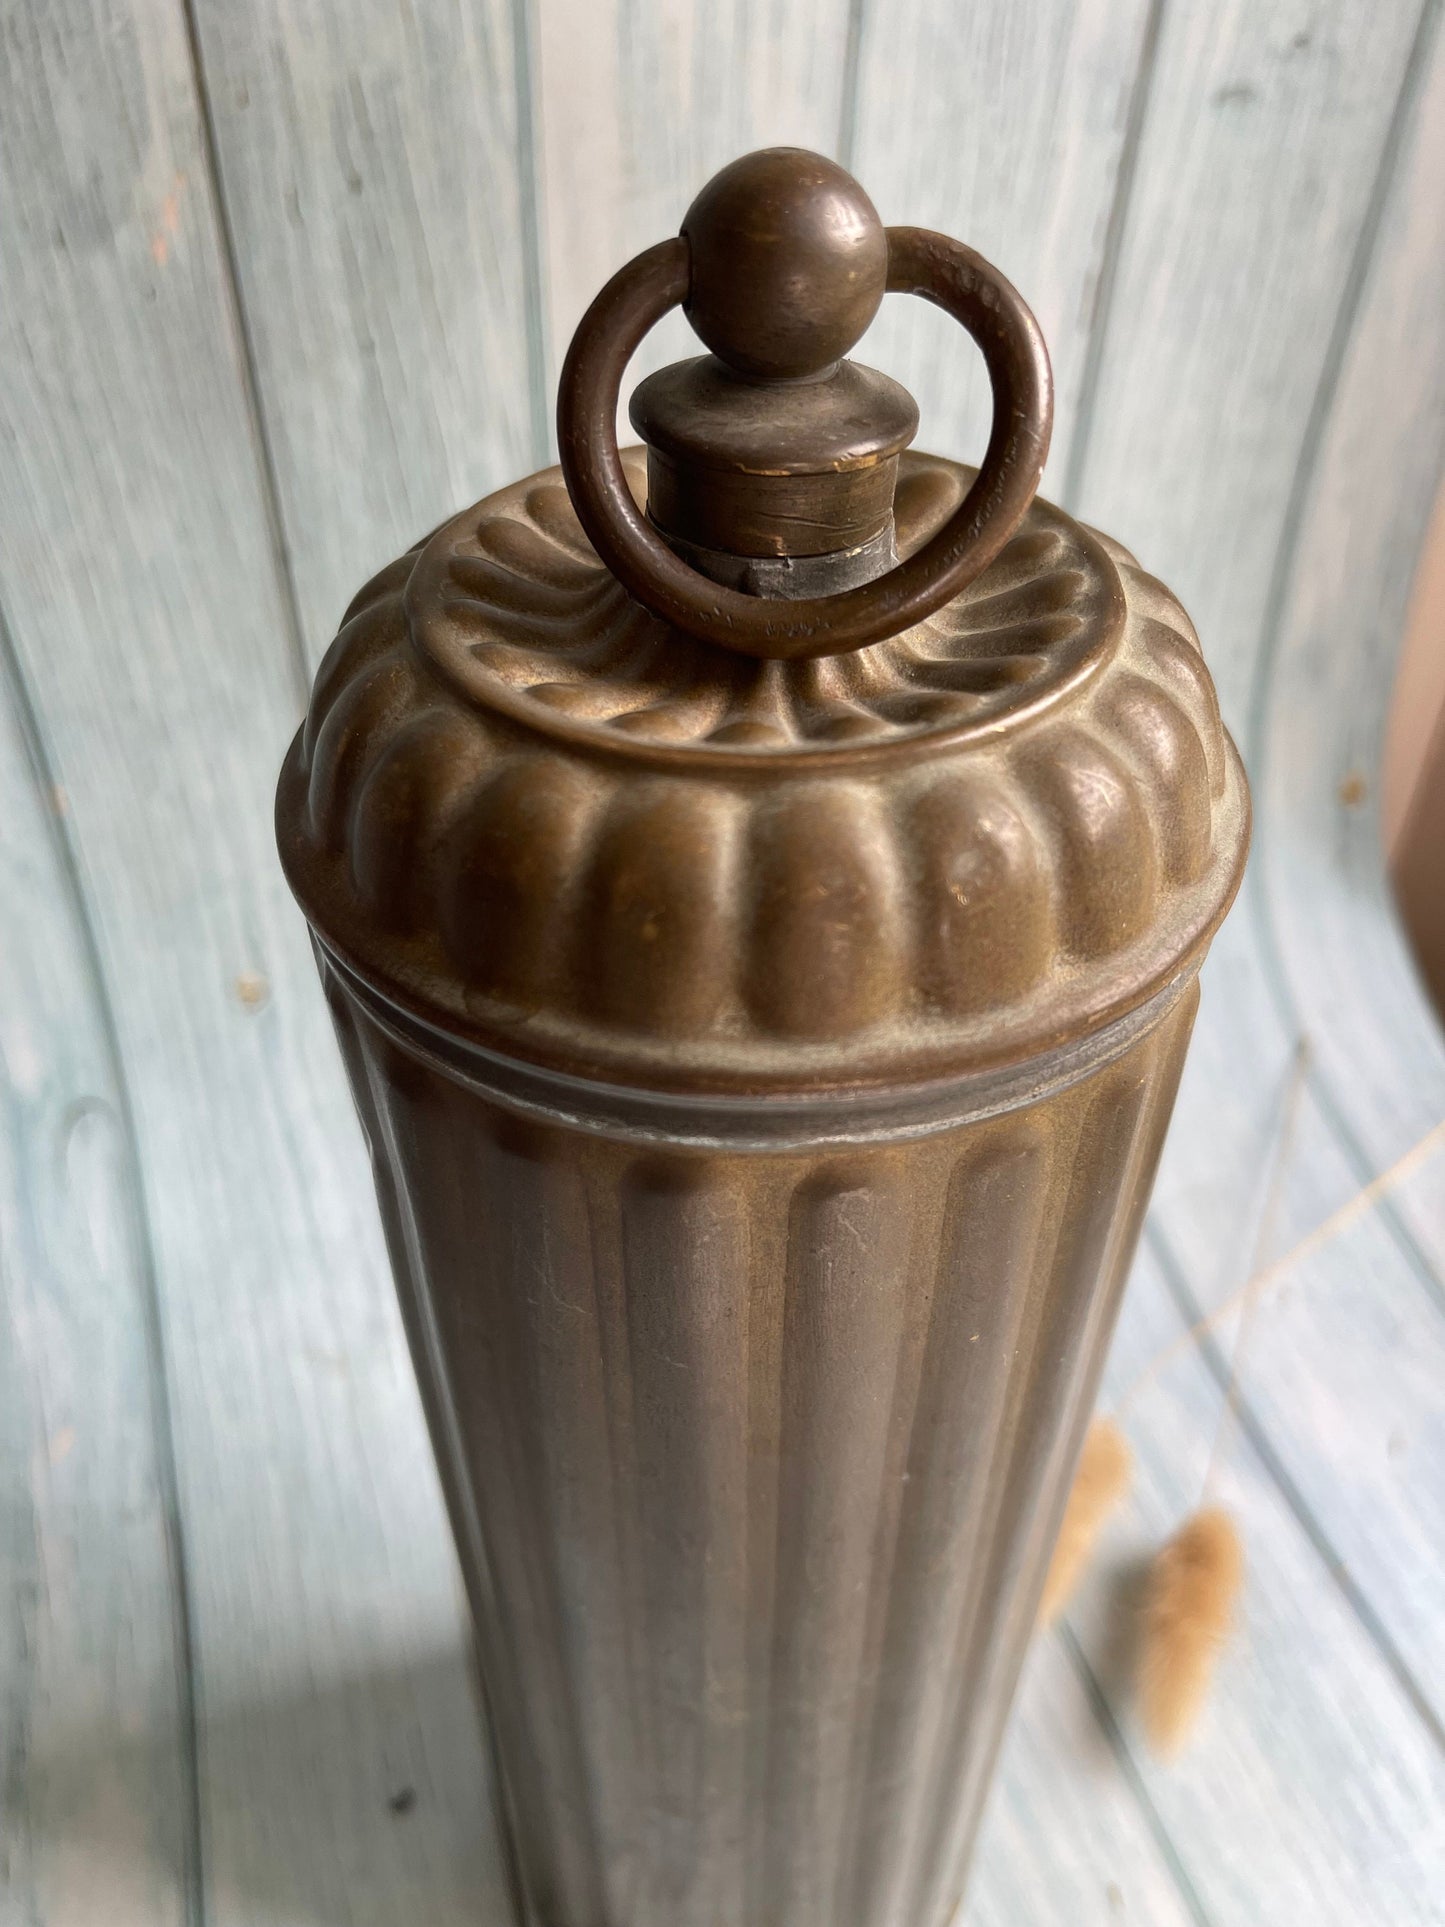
[755,1451]
[765,1010]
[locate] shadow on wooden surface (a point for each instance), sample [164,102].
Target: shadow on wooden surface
[425,1785]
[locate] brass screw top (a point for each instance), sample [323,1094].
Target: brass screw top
[771,462]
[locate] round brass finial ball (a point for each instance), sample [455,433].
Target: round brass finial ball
[789,262]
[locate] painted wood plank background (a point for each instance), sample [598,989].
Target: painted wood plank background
[282,282]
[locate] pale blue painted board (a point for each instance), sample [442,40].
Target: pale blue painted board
[137,569]
[1004,124]
[1256,164]
[1321,715]
[1065,1842]
[1344,1363]
[1312,1791]
[95,1762]
[636,104]
[379,206]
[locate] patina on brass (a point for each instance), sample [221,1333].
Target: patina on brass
[773,445]
[771,468]
[764,985]
[943,271]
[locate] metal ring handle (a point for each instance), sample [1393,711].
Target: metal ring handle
[919,262]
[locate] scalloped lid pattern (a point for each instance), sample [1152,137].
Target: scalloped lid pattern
[524,808]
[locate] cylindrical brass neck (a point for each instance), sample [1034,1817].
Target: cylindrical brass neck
[784,472]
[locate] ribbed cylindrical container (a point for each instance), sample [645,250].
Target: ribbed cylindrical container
[755,1457]
[764,1040]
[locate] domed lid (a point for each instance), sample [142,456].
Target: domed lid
[543,805]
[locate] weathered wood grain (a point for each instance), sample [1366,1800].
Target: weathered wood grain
[638,102]
[1312,1791]
[1065,1842]
[375,174]
[1005,124]
[1257,159]
[1317,724]
[1342,1364]
[136,567]
[93,1639]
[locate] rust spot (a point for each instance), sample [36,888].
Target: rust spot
[1353,790]
[169,224]
[252,989]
